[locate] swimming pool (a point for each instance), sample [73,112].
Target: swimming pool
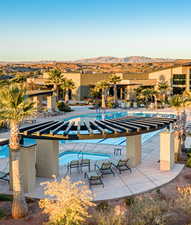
[92,116]
[67,157]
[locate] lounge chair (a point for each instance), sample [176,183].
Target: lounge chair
[94,178]
[73,164]
[85,163]
[4,176]
[121,165]
[105,168]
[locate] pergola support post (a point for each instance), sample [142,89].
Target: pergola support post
[134,150]
[47,158]
[177,146]
[51,103]
[37,102]
[166,150]
[28,162]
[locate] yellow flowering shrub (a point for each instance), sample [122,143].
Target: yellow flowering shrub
[67,202]
[184,199]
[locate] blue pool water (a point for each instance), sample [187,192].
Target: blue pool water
[67,157]
[92,116]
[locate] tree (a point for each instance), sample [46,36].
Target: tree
[103,87]
[19,78]
[148,94]
[177,102]
[1,72]
[163,88]
[56,78]
[66,86]
[14,107]
[114,80]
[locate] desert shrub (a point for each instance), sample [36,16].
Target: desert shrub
[184,199]
[109,217]
[102,206]
[68,202]
[63,107]
[110,103]
[129,201]
[147,210]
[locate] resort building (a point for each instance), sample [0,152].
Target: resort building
[178,78]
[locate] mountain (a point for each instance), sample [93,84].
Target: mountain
[131,59]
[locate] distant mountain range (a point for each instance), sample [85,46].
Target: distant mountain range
[131,59]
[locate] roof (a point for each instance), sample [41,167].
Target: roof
[95,129]
[39,92]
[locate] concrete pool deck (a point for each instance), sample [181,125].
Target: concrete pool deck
[145,177]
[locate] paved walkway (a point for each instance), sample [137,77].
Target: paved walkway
[143,178]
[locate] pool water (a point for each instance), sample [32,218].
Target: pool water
[4,151]
[67,157]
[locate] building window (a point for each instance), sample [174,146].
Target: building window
[179,79]
[178,90]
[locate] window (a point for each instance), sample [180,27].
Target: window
[178,90]
[179,79]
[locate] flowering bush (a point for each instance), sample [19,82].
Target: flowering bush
[68,202]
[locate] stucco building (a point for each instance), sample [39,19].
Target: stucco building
[178,78]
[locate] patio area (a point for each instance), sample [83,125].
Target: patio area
[144,177]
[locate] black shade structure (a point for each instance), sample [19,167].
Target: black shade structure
[95,129]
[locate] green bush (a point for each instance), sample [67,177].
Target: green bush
[188,162]
[63,107]
[103,206]
[5,197]
[129,201]
[2,214]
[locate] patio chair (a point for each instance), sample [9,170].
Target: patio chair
[121,165]
[4,176]
[94,178]
[85,163]
[73,164]
[105,168]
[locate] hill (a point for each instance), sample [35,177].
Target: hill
[131,59]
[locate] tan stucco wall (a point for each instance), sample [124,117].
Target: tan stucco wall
[158,75]
[83,82]
[76,77]
[134,76]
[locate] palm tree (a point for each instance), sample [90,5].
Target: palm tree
[114,79]
[103,86]
[163,88]
[177,102]
[66,86]
[14,107]
[56,78]
[148,94]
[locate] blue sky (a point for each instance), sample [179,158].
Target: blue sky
[73,29]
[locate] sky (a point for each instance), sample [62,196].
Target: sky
[33,30]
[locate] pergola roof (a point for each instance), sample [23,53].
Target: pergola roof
[39,92]
[95,129]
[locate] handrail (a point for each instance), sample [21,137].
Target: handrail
[80,153]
